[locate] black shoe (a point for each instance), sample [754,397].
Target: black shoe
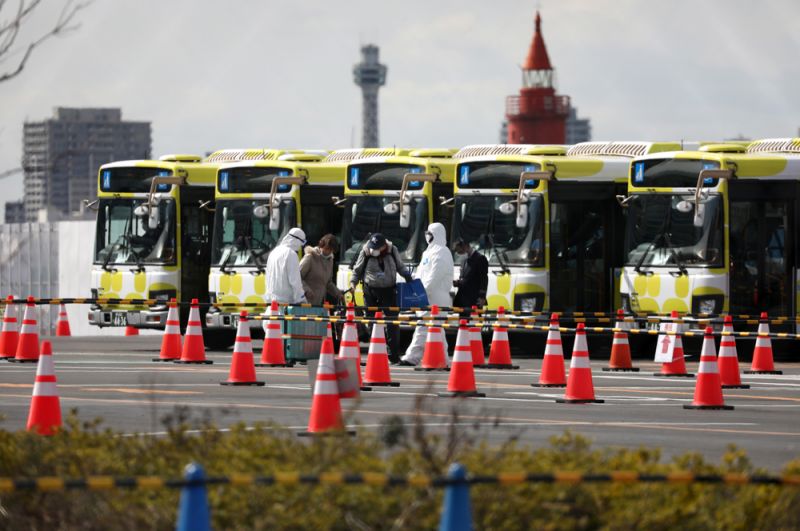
[404,363]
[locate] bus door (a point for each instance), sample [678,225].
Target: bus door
[195,233]
[762,224]
[582,227]
[318,213]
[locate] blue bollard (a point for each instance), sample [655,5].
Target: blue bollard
[456,512]
[193,513]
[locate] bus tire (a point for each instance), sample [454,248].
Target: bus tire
[219,339]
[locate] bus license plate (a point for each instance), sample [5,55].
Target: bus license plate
[119,318]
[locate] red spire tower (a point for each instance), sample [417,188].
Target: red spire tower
[538,115]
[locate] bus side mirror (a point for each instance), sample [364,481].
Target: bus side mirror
[522,216]
[405,216]
[261,211]
[152,218]
[699,215]
[275,219]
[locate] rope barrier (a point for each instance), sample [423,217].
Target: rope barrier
[105,483]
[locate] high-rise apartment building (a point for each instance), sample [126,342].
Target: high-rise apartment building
[61,156]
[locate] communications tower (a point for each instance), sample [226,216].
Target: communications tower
[537,115]
[370,75]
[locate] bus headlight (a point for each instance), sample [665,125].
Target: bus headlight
[162,295]
[529,302]
[710,304]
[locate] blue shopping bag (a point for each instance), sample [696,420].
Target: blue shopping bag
[411,294]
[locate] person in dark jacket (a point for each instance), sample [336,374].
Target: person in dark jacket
[474,276]
[377,267]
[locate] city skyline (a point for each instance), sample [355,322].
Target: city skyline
[280,75]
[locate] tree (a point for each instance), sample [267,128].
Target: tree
[14,55]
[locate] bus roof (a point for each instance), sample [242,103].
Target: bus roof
[235,155]
[485,150]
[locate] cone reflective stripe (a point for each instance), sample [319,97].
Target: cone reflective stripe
[708,390]
[620,359]
[580,389]
[272,353]
[194,350]
[243,369]
[45,414]
[553,373]
[434,357]
[377,372]
[62,324]
[676,367]
[500,351]
[326,409]
[131,331]
[10,334]
[28,342]
[351,311]
[728,359]
[476,341]
[462,374]
[762,355]
[171,340]
[349,348]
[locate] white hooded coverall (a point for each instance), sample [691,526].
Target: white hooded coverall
[283,270]
[436,273]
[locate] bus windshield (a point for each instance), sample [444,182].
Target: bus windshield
[479,221]
[365,215]
[123,237]
[242,238]
[661,231]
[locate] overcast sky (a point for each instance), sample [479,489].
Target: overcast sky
[277,73]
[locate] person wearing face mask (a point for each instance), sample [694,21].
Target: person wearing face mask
[316,271]
[377,267]
[283,270]
[436,273]
[473,278]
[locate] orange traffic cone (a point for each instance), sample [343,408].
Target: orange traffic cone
[462,374]
[45,414]
[708,390]
[272,354]
[476,341]
[378,358]
[350,349]
[579,383]
[10,335]
[131,331]
[434,357]
[762,355]
[326,408]
[62,324]
[728,359]
[500,351]
[28,343]
[553,374]
[243,370]
[194,350]
[676,367]
[171,340]
[620,360]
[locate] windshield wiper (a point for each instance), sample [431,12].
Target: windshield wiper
[498,253]
[674,253]
[225,260]
[662,233]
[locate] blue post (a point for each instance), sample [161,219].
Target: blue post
[193,513]
[456,513]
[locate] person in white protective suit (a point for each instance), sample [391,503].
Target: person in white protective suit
[283,280]
[436,273]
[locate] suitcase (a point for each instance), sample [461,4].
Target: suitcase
[303,339]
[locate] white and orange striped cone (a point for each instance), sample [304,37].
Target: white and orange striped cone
[434,357]
[728,359]
[763,362]
[676,367]
[28,343]
[10,334]
[349,348]
[62,323]
[194,350]
[553,373]
[243,369]
[476,341]
[462,375]
[326,407]
[171,340]
[580,389]
[131,331]
[44,416]
[378,372]
[620,360]
[272,352]
[500,351]
[708,390]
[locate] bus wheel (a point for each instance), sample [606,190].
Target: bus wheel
[218,339]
